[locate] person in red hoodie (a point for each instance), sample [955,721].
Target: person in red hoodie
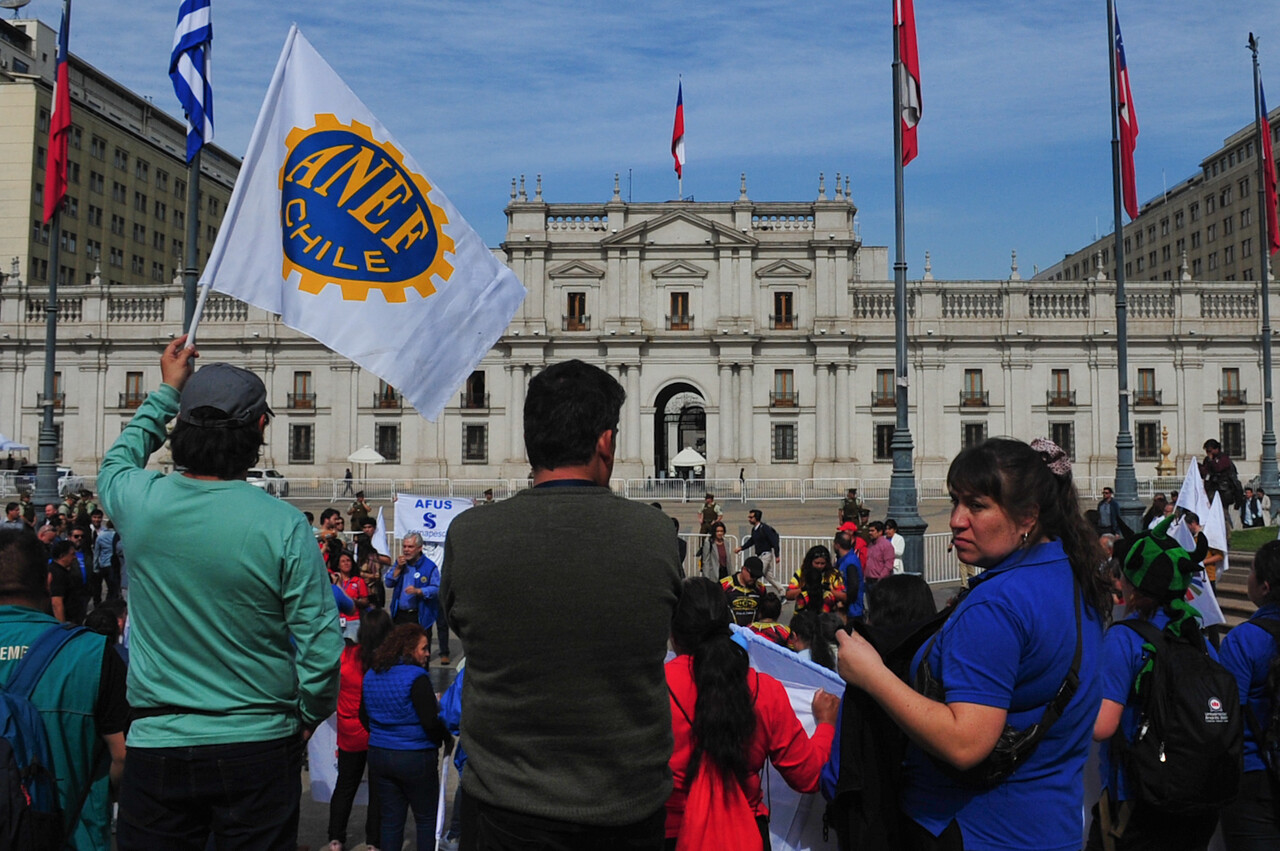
[353,738]
[728,719]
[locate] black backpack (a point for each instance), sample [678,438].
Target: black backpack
[1188,754]
[1268,738]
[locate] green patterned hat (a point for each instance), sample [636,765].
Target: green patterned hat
[1157,565]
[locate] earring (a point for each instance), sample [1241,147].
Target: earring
[1024,538]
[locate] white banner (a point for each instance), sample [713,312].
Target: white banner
[322,762]
[334,227]
[429,516]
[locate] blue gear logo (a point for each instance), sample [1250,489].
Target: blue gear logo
[352,215]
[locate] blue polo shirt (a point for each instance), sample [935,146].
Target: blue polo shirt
[856,587]
[1246,652]
[1009,645]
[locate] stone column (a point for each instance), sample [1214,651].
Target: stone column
[515,412]
[728,448]
[822,413]
[844,413]
[632,414]
[746,390]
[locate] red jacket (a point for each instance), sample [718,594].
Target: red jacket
[778,736]
[352,736]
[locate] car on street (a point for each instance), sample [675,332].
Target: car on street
[68,481]
[270,480]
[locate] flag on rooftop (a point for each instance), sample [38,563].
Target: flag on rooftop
[334,227]
[910,104]
[1128,128]
[55,164]
[1269,175]
[677,132]
[189,69]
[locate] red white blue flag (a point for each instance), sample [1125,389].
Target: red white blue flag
[1128,128]
[1269,172]
[910,105]
[677,132]
[55,164]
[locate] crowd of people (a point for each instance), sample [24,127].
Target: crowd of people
[968,728]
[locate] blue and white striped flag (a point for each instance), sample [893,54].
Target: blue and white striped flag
[189,70]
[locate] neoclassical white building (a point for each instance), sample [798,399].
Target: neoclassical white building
[759,333]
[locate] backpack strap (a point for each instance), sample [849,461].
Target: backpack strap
[23,679]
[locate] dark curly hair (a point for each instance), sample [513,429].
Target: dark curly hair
[398,648]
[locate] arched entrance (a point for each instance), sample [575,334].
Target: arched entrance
[679,420]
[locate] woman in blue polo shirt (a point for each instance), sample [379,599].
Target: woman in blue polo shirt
[1035,611]
[1251,821]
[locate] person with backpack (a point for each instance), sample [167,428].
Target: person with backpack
[727,720]
[1252,821]
[1006,691]
[76,683]
[1169,722]
[1220,474]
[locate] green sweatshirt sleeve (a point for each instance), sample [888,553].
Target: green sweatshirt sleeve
[313,621]
[143,435]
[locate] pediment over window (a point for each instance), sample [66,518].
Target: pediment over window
[576,269]
[679,269]
[783,269]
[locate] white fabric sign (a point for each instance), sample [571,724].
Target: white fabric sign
[795,819]
[429,516]
[322,762]
[335,228]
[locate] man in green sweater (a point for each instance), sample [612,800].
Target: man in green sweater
[235,643]
[568,748]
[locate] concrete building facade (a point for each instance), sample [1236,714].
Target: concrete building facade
[1204,228]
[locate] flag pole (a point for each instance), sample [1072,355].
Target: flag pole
[1126,481]
[46,485]
[191,270]
[903,505]
[1269,473]
[196,313]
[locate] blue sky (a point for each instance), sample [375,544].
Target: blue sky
[1014,141]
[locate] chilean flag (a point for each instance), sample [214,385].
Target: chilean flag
[910,106]
[677,132]
[1269,173]
[55,166]
[1128,129]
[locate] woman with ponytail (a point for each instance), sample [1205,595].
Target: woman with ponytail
[987,766]
[726,720]
[1251,652]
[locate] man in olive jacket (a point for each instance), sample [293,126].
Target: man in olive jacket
[567,740]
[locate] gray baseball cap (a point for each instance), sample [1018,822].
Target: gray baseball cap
[236,392]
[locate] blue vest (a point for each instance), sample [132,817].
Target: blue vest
[393,722]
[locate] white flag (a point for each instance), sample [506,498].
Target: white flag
[335,228]
[380,535]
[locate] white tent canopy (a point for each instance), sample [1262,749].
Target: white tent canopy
[365,455]
[688,457]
